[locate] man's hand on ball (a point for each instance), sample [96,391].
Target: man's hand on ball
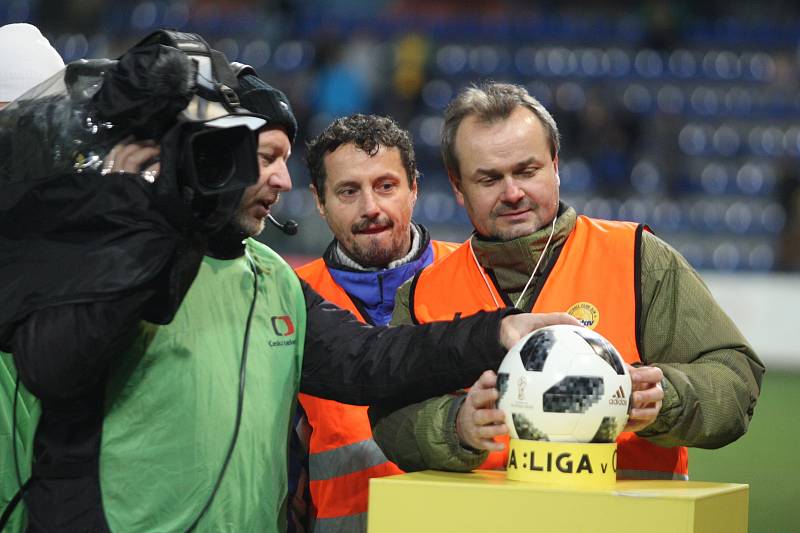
[646,396]
[478,421]
[514,327]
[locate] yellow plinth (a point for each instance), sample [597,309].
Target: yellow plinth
[441,502]
[563,463]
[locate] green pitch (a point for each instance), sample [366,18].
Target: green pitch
[767,457]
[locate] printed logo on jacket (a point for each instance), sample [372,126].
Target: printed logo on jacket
[283,326]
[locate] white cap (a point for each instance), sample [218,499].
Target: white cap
[26,59]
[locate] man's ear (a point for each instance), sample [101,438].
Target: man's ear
[319,201]
[555,167]
[455,183]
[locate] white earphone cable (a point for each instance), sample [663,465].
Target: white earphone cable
[541,257]
[530,279]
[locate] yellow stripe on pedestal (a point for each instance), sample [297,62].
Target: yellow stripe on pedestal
[563,463]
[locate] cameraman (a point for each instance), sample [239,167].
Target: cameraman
[147,427]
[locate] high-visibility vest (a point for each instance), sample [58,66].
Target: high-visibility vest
[596,278]
[342,453]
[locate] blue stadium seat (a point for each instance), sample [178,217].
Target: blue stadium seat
[437,93]
[648,63]
[436,207]
[646,177]
[755,179]
[727,255]
[714,178]
[576,176]
[667,216]
[772,218]
[726,141]
[637,98]
[670,99]
[739,217]
[635,209]
[451,59]
[293,55]
[256,53]
[682,64]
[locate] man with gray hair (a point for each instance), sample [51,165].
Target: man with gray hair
[26,59]
[695,378]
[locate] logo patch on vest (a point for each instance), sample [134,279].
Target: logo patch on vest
[586,313]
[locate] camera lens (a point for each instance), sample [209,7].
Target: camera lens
[213,159]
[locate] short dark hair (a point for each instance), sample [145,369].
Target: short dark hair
[368,133]
[490,102]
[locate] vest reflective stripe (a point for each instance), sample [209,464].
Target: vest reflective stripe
[596,265]
[345,460]
[347,495]
[343,456]
[342,524]
[650,474]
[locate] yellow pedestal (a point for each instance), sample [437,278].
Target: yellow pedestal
[486,501]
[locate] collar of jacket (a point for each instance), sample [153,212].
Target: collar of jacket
[512,261]
[376,290]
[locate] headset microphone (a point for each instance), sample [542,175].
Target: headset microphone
[289,227]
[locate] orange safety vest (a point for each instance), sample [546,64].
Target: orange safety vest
[596,277]
[342,453]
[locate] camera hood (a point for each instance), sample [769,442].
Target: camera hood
[70,232]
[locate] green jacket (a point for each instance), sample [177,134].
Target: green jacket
[170,401]
[163,449]
[27,417]
[712,375]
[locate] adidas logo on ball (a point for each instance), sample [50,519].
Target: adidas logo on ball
[618,398]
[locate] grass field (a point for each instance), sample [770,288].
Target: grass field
[767,457]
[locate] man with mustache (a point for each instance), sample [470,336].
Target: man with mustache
[364,179]
[695,378]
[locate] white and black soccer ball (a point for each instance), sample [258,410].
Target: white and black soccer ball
[564,384]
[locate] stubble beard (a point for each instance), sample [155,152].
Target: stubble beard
[247,225]
[372,254]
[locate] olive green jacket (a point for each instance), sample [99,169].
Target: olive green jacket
[712,376]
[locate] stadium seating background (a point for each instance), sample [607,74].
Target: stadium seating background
[684,116]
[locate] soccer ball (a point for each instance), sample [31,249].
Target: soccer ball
[564,384]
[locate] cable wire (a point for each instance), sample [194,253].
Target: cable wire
[240,400]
